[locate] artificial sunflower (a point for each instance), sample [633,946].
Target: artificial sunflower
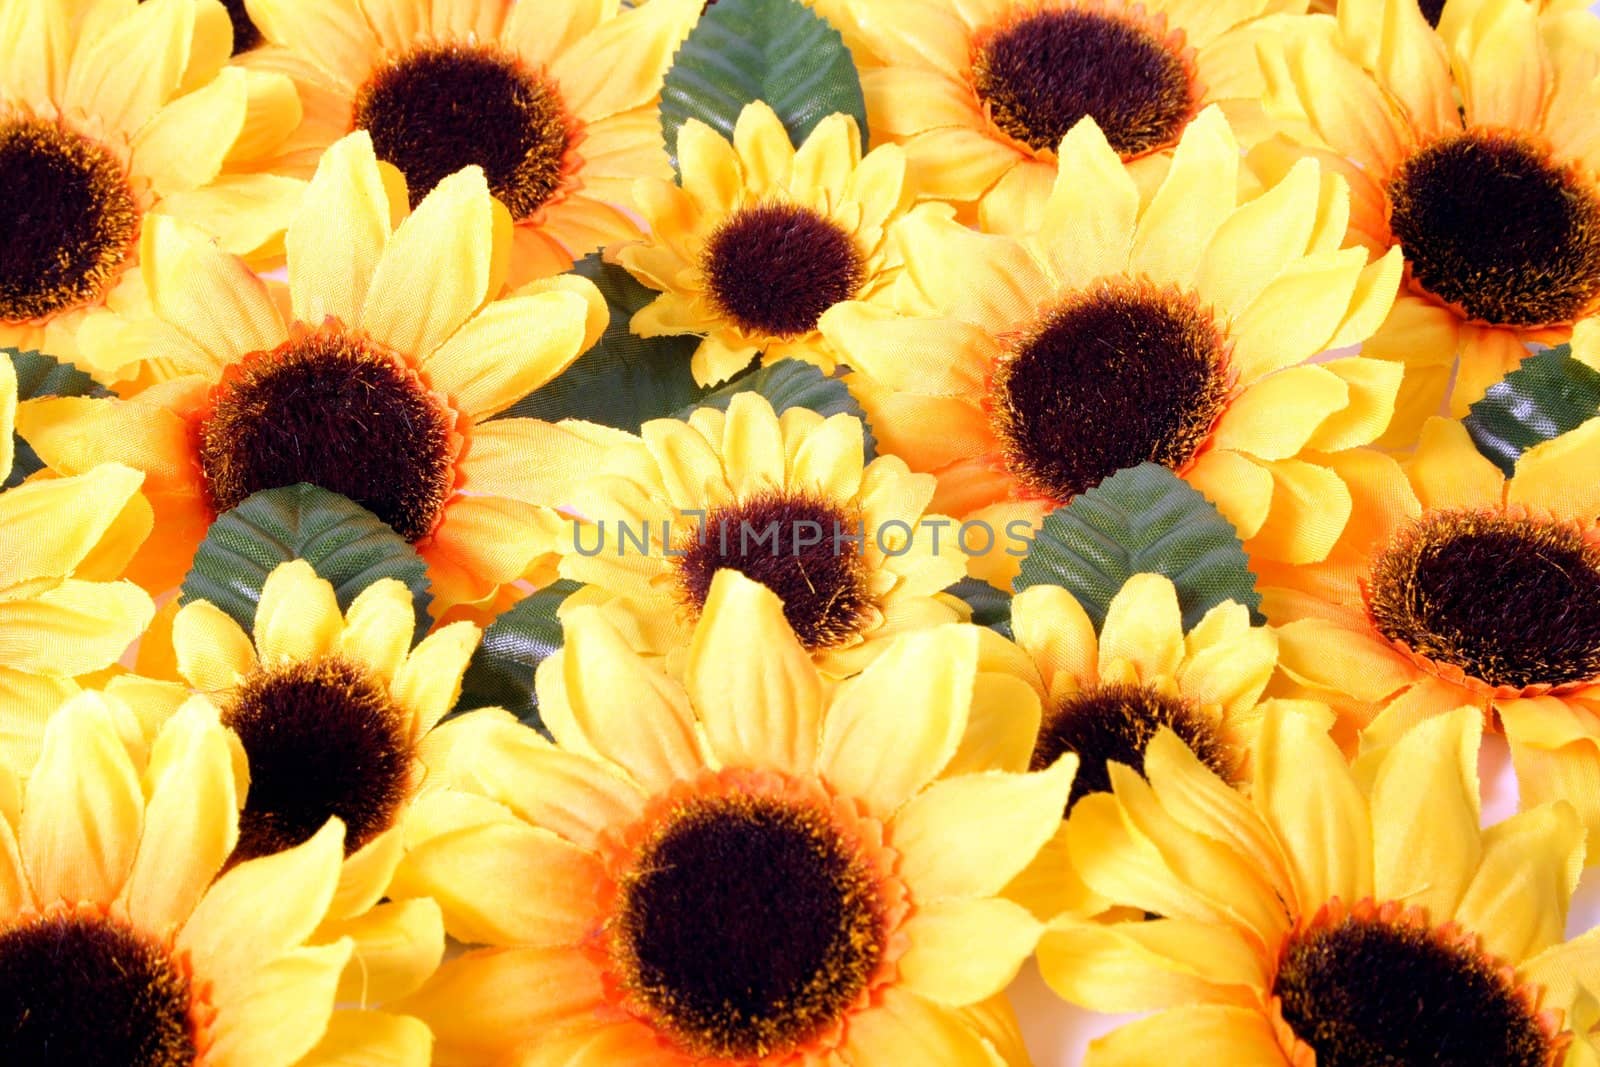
[761,239]
[849,546]
[1471,149]
[1174,327]
[93,145]
[119,944]
[555,100]
[372,381]
[750,866]
[980,95]
[1333,918]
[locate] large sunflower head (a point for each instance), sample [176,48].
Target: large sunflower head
[119,943]
[1175,327]
[850,548]
[750,866]
[92,145]
[1333,917]
[761,239]
[981,93]
[368,378]
[555,101]
[1469,148]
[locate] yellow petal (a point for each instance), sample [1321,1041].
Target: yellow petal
[1140,966]
[1310,506]
[397,946]
[1448,471]
[166,149]
[986,280]
[710,167]
[964,951]
[621,63]
[508,350]
[339,233]
[335,33]
[429,681]
[828,155]
[1373,386]
[8,413]
[214,654]
[378,627]
[213,297]
[278,1010]
[1218,1033]
[371,1039]
[1275,417]
[1002,726]
[1322,654]
[1088,224]
[124,95]
[53,526]
[1144,626]
[1197,194]
[1260,239]
[1295,316]
[934,357]
[85,626]
[1052,626]
[297,617]
[1517,900]
[1544,474]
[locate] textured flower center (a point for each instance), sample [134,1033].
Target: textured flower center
[68,219]
[338,412]
[79,991]
[1488,222]
[747,926]
[801,547]
[437,109]
[1039,75]
[1510,601]
[1364,991]
[1117,722]
[1431,10]
[323,738]
[1114,377]
[775,268]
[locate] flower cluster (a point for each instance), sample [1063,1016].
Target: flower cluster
[656,533]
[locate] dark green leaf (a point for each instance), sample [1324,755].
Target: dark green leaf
[791,383]
[773,50]
[40,375]
[1143,519]
[624,380]
[344,543]
[990,607]
[501,672]
[1548,395]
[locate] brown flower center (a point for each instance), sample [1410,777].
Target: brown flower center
[338,412]
[1489,223]
[1509,600]
[68,219]
[1431,10]
[1113,377]
[439,108]
[1038,76]
[775,268]
[81,991]
[323,738]
[747,926]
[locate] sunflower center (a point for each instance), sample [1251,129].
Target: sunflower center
[1114,377]
[1431,10]
[439,108]
[77,991]
[1361,991]
[775,268]
[323,738]
[1041,74]
[801,547]
[1510,601]
[1117,722]
[68,218]
[338,412]
[1488,222]
[747,926]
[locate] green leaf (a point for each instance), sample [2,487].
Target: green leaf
[343,541]
[501,672]
[40,375]
[1142,519]
[1548,395]
[624,380]
[774,50]
[990,607]
[791,383]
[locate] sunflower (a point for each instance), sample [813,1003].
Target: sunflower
[1173,328]
[92,145]
[555,100]
[1333,918]
[849,547]
[762,239]
[120,945]
[371,382]
[751,866]
[979,95]
[1471,150]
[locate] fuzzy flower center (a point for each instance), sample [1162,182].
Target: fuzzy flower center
[774,268]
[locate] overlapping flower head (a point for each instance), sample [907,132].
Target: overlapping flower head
[93,146]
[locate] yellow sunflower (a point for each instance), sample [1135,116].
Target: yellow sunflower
[1333,918]
[761,239]
[371,381]
[120,945]
[1471,149]
[849,547]
[555,100]
[93,144]
[751,866]
[1174,327]
[980,95]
